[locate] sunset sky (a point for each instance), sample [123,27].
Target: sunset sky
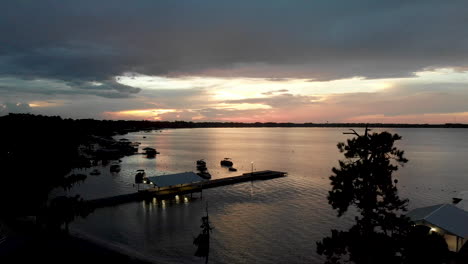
[249,61]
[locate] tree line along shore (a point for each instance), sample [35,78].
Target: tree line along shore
[124,126]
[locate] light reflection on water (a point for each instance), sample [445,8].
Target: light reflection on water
[274,221]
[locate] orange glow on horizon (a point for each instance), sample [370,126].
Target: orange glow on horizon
[44,104]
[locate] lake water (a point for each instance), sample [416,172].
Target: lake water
[273,221]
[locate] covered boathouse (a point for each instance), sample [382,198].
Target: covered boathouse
[175,180]
[448,220]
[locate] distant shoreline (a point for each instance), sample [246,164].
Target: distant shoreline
[125,126]
[176,124]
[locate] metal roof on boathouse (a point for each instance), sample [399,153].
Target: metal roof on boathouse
[446,216]
[175,179]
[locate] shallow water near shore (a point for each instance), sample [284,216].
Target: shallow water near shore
[273,221]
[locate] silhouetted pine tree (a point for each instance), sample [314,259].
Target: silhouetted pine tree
[364,180]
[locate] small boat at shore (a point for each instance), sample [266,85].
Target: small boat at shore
[150,152]
[226,162]
[203,171]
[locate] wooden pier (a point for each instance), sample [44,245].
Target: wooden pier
[161,193]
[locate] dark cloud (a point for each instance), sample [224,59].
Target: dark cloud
[275,91]
[109,85]
[277,79]
[278,101]
[96,40]
[106,88]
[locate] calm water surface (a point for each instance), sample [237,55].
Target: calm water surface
[274,221]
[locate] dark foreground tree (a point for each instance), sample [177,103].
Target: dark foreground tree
[37,156]
[364,181]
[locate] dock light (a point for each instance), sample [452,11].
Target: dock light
[433,230]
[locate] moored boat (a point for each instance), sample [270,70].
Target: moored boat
[226,162]
[140,176]
[150,152]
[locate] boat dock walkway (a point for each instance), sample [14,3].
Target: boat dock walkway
[185,188]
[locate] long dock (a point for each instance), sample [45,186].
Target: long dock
[184,189]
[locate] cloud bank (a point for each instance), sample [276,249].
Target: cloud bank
[73,51]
